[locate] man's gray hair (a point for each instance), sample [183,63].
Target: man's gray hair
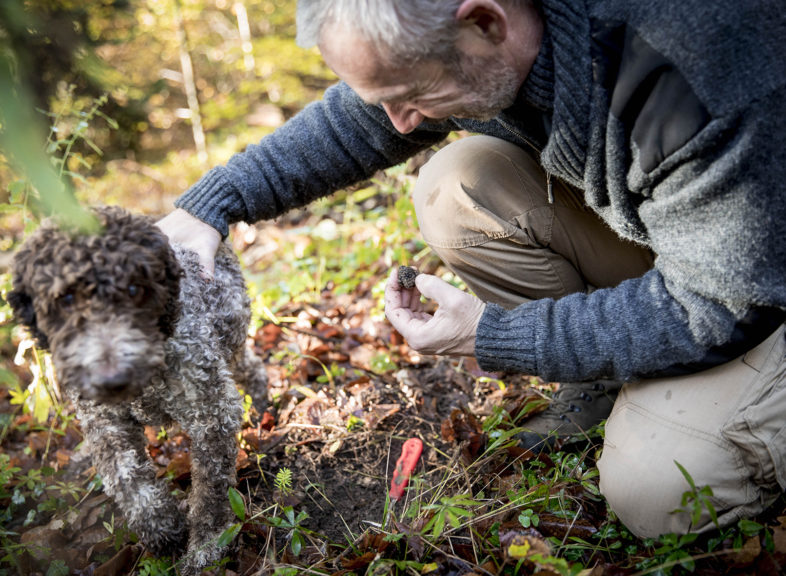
[402,31]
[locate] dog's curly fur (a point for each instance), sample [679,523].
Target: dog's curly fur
[138,336]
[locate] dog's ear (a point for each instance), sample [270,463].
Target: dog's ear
[22,305]
[173,272]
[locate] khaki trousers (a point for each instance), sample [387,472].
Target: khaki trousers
[483,207]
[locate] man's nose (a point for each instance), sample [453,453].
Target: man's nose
[404,117]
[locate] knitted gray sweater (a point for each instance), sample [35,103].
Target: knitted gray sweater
[669,114]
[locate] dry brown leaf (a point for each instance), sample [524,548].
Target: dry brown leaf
[779,536]
[746,555]
[552,525]
[179,466]
[463,427]
[376,414]
[121,563]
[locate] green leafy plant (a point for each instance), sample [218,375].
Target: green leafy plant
[283,480]
[291,524]
[118,533]
[449,511]
[528,519]
[238,505]
[670,550]
[20,141]
[696,500]
[151,566]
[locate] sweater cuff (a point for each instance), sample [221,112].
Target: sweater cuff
[505,340]
[214,201]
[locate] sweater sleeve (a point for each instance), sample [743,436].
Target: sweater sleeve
[715,213]
[631,330]
[331,144]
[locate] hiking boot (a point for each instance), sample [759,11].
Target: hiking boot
[574,409]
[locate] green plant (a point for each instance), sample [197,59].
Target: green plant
[151,566]
[696,500]
[69,126]
[119,534]
[354,423]
[40,396]
[283,480]
[238,505]
[291,524]
[449,510]
[382,363]
[528,518]
[558,565]
[20,142]
[58,568]
[669,550]
[33,493]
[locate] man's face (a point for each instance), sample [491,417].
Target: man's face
[473,87]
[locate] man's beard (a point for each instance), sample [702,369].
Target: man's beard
[491,86]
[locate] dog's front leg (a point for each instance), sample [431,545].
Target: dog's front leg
[117,445]
[213,461]
[250,374]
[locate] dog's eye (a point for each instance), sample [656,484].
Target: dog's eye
[137,293]
[66,301]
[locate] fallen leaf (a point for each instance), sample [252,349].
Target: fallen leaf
[559,527]
[268,421]
[523,544]
[376,414]
[746,555]
[179,466]
[463,427]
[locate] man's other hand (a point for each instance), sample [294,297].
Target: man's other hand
[184,229]
[449,331]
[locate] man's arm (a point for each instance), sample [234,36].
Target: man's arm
[718,224]
[715,213]
[331,144]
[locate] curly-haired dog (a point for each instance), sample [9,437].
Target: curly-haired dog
[138,336]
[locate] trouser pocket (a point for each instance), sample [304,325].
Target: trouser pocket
[759,431]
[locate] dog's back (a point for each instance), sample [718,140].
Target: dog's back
[217,306]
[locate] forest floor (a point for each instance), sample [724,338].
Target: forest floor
[315,466]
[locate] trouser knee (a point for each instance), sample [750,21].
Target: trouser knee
[645,495]
[723,426]
[483,205]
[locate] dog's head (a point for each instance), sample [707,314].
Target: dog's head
[103,303]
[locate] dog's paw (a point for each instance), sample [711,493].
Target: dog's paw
[203,551]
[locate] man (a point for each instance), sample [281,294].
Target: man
[621,215]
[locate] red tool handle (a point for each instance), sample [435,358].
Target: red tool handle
[405,464]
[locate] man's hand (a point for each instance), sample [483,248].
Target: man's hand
[191,233]
[450,331]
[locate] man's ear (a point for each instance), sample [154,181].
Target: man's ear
[486,17]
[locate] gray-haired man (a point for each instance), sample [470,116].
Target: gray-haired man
[621,215]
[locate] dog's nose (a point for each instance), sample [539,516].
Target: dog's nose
[114,382]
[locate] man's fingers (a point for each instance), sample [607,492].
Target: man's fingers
[406,321]
[400,296]
[184,229]
[436,289]
[208,265]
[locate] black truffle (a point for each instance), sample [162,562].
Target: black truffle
[406,276]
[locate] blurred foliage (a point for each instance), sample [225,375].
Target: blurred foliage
[41,187]
[67,54]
